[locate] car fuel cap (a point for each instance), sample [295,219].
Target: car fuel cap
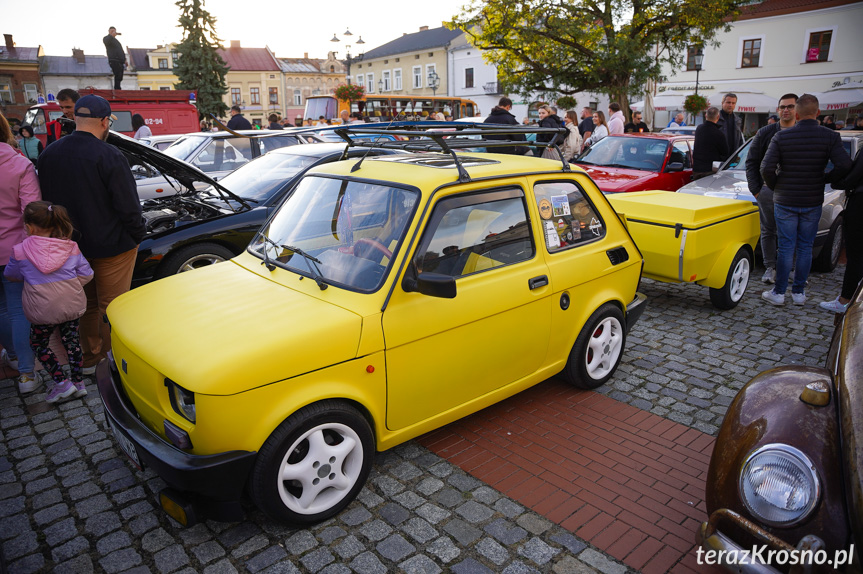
[816,393]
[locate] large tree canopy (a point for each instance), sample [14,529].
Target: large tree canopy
[200,67]
[605,46]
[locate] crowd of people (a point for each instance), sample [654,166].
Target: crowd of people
[70,226]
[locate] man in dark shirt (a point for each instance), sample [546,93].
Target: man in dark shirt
[793,168]
[636,125]
[65,124]
[274,123]
[502,114]
[116,55]
[92,180]
[585,127]
[709,145]
[730,123]
[237,121]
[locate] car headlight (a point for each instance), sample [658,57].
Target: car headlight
[778,485]
[182,400]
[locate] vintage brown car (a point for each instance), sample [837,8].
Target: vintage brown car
[787,469]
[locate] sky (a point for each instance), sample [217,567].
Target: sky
[289,28]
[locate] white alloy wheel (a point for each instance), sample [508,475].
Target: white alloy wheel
[739,279]
[604,348]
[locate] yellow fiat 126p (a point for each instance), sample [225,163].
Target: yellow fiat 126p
[385,298]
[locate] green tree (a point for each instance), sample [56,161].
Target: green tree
[200,67]
[607,46]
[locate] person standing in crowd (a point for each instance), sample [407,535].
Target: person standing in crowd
[502,114]
[205,126]
[30,146]
[92,180]
[65,124]
[828,122]
[794,168]
[345,117]
[636,125]
[615,119]
[237,121]
[677,121]
[274,123]
[859,124]
[585,127]
[548,118]
[600,129]
[116,55]
[140,127]
[53,272]
[853,186]
[772,119]
[18,187]
[762,193]
[572,144]
[709,145]
[731,123]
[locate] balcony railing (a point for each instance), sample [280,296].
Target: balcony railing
[491,88]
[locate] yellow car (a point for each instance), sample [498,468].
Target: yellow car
[385,298]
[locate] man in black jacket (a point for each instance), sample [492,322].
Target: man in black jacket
[762,193]
[238,121]
[730,123]
[93,181]
[116,55]
[709,145]
[793,168]
[501,114]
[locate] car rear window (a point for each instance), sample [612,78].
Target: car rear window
[568,217]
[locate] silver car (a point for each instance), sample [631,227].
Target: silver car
[730,181]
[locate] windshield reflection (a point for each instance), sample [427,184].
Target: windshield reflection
[628,152]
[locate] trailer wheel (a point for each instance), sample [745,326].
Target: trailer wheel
[730,294]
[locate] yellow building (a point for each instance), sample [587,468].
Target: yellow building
[254,82]
[304,77]
[155,67]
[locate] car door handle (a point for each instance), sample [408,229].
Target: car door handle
[537,282]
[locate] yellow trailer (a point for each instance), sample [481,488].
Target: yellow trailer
[693,239]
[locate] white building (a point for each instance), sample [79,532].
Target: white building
[775,47]
[79,71]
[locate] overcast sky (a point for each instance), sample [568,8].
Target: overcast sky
[288,28]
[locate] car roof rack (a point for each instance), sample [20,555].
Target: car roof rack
[447,137]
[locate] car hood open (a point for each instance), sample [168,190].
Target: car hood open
[183,172]
[222,330]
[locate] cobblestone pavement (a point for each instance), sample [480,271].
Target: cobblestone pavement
[70,502]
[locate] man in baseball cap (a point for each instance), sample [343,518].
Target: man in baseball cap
[91,113]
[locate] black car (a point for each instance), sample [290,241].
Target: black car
[196,228]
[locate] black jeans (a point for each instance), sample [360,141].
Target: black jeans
[117,69]
[853,245]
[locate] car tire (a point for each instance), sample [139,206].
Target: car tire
[739,273]
[194,257]
[598,349]
[314,464]
[828,258]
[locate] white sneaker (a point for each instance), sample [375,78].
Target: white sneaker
[28,383]
[88,370]
[798,298]
[7,360]
[769,276]
[833,306]
[773,298]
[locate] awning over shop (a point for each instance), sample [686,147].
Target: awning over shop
[748,101]
[664,101]
[845,96]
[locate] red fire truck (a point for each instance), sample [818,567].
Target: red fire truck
[164,111]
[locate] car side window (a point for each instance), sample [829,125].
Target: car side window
[681,154]
[474,233]
[224,155]
[568,217]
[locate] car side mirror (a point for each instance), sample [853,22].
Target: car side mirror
[674,166]
[431,284]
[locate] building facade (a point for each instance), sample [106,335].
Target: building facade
[304,77]
[156,71]
[20,82]
[254,82]
[77,71]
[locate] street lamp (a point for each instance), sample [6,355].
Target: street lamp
[380,86]
[699,59]
[434,82]
[348,50]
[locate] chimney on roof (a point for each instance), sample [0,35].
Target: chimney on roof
[306,55]
[10,45]
[235,43]
[423,28]
[78,54]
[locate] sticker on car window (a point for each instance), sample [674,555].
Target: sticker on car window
[551,238]
[545,209]
[560,205]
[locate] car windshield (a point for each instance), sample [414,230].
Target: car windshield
[183,147]
[738,162]
[628,152]
[259,180]
[341,231]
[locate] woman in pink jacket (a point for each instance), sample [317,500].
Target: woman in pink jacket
[18,187]
[54,274]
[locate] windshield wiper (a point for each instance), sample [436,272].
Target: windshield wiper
[313,265]
[270,265]
[584,162]
[211,192]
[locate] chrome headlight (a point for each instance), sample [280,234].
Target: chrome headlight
[182,400]
[779,485]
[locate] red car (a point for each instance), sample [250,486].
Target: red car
[638,162]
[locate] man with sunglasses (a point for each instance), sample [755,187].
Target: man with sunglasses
[92,180]
[761,192]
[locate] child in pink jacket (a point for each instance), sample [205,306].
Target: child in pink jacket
[54,273]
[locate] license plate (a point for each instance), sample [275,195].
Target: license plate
[126,445]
